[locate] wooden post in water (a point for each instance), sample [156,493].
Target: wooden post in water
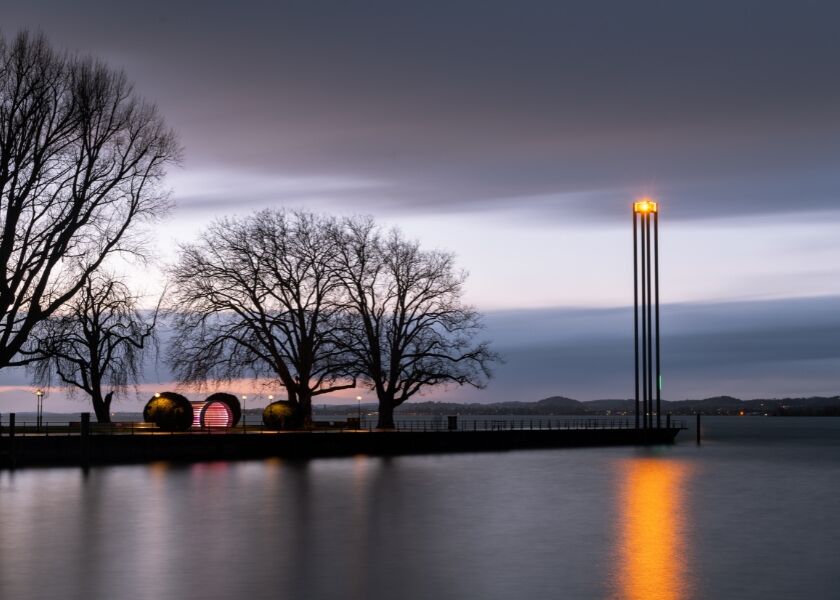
[698,429]
[12,449]
[84,440]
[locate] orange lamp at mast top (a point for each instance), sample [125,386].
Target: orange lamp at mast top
[645,206]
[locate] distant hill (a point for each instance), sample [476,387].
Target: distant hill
[559,404]
[716,402]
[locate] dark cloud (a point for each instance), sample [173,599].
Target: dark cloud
[752,349]
[480,105]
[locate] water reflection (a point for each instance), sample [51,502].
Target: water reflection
[653,542]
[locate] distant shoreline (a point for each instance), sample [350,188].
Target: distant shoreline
[561,406]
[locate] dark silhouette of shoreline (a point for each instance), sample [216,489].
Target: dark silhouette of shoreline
[558,405]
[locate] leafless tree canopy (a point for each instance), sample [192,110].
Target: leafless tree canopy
[318,303]
[259,294]
[407,328]
[93,343]
[82,159]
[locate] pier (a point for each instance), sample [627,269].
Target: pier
[85,443]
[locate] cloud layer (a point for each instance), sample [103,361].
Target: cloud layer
[748,349]
[561,108]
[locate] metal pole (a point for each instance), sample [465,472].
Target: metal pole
[38,405]
[656,287]
[650,328]
[644,327]
[636,311]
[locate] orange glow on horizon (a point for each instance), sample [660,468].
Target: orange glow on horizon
[645,205]
[652,542]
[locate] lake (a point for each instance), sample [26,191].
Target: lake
[749,514]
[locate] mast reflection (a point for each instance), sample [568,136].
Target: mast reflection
[653,543]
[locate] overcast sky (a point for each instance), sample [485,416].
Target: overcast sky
[517,134]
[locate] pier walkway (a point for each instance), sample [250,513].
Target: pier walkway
[73,442]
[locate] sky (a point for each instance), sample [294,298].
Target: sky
[517,134]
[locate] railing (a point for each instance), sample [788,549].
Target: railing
[522,424]
[432,424]
[53,428]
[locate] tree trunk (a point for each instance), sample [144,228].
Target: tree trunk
[102,407]
[386,414]
[305,407]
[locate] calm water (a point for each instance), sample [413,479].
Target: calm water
[750,514]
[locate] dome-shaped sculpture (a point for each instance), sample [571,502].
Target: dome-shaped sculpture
[282,414]
[169,411]
[232,403]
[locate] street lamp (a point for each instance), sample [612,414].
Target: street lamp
[39,414]
[359,402]
[645,213]
[244,400]
[645,206]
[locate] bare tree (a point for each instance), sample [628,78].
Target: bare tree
[82,159]
[257,295]
[406,326]
[93,343]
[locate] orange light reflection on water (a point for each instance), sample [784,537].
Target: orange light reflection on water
[652,543]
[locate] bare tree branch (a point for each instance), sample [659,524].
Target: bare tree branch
[93,343]
[257,296]
[82,159]
[405,326]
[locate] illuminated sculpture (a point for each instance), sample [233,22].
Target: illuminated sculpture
[646,289]
[218,410]
[169,411]
[282,415]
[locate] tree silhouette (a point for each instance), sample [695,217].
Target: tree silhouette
[93,343]
[406,326]
[82,159]
[258,295]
